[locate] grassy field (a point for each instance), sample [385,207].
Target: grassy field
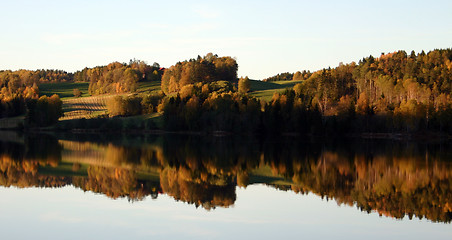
[265,90]
[64,90]
[149,87]
[85,107]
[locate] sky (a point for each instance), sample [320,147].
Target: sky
[265,37]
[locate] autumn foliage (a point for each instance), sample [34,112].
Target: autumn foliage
[203,70]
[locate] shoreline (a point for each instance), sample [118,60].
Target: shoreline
[421,136]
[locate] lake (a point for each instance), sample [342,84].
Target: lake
[66,186]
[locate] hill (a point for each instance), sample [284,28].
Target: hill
[88,106]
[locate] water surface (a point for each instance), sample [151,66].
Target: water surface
[191,187]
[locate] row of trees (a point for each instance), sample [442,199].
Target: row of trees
[289,76]
[29,77]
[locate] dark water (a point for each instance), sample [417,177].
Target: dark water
[166,187]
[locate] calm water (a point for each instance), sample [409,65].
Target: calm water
[188,187]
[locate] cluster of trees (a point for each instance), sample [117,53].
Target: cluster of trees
[50,75]
[44,111]
[289,76]
[19,91]
[203,70]
[133,105]
[15,88]
[118,77]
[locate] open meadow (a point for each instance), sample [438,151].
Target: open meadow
[64,89]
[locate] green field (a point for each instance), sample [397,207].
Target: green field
[64,90]
[85,107]
[265,90]
[149,87]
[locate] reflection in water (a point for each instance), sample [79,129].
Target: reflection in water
[395,179]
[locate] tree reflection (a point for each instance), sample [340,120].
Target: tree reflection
[393,178]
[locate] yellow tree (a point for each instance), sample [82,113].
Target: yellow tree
[244,85]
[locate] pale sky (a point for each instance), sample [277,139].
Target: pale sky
[266,37]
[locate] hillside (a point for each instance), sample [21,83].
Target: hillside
[396,92]
[64,89]
[265,90]
[92,106]
[88,106]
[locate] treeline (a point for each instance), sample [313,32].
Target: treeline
[118,77]
[289,76]
[230,112]
[395,92]
[15,79]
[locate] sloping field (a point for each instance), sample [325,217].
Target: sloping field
[265,90]
[64,90]
[85,107]
[149,87]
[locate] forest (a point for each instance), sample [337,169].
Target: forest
[393,93]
